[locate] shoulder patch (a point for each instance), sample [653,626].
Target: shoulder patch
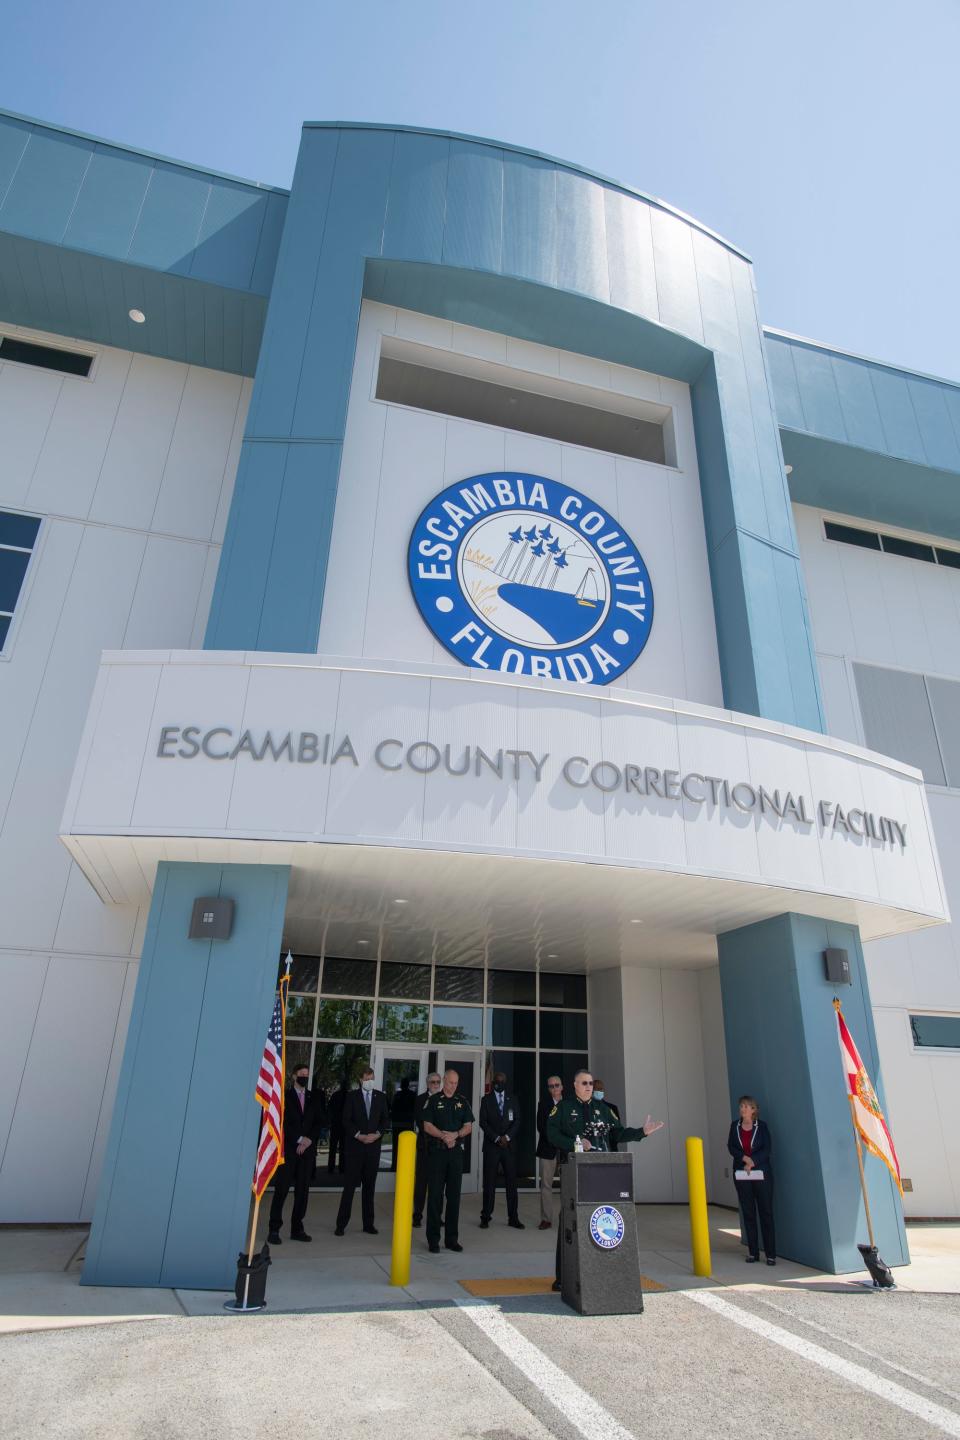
[553,1111]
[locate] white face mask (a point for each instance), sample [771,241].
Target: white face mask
[598,1094]
[367,1084]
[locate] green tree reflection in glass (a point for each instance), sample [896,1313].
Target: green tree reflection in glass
[345,1019]
[406,1023]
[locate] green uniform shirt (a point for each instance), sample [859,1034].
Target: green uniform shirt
[590,1119]
[447,1113]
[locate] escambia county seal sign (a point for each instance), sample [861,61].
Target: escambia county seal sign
[522,574]
[606,1227]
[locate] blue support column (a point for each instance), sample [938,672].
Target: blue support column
[174,1196]
[781,1038]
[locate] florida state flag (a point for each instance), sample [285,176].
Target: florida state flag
[864,1105]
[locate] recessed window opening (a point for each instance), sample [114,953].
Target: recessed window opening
[18,535]
[45,357]
[515,400]
[891,544]
[935,1032]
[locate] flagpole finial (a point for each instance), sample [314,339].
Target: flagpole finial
[836,1004]
[289,964]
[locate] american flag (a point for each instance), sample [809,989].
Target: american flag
[269,1095]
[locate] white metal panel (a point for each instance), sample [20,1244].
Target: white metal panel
[138,445]
[646,1088]
[27,401]
[62,1091]
[22,978]
[68,468]
[164,604]
[686,1085]
[194,473]
[921,1092]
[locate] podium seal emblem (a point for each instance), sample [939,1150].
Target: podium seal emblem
[606,1227]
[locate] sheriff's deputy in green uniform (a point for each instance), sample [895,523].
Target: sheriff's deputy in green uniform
[594,1124]
[447,1121]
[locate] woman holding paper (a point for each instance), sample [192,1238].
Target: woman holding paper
[750,1145]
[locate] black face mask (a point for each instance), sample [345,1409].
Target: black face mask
[499,1089]
[301,1080]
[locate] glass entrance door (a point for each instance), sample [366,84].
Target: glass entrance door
[400,1071]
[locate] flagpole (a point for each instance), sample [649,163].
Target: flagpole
[863,1180]
[856,1141]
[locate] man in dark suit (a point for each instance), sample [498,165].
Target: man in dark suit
[366,1116]
[500,1123]
[420,1182]
[302,1122]
[547,1154]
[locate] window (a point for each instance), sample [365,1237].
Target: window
[46,357]
[915,718]
[18,537]
[892,544]
[537,404]
[848,535]
[936,1032]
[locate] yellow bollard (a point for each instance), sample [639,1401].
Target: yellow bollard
[403,1208]
[697,1189]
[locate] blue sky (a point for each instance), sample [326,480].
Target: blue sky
[821,138]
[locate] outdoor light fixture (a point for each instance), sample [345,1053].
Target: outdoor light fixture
[211,919]
[137,316]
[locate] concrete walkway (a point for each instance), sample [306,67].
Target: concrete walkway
[40,1267]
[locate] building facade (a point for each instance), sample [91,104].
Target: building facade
[441,563]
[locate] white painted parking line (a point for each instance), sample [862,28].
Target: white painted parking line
[582,1411]
[861,1349]
[942,1419]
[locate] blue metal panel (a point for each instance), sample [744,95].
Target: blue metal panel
[298,565]
[44,188]
[629,242]
[783,378]
[582,265]
[473,228]
[229,234]
[781,1044]
[14,138]
[354,229]
[169,225]
[676,274]
[897,415]
[165,1214]
[858,403]
[818,393]
[418,188]
[530,208]
[288,318]
[108,204]
[268,246]
[940,443]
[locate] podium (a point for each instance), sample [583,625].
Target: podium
[599,1250]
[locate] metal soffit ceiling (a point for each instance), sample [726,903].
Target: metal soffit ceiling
[459,908]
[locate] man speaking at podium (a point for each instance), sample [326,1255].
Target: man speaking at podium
[583,1123]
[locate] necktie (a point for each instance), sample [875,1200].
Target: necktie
[366,1101]
[301,1096]
[500,1102]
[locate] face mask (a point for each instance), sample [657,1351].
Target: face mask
[300,1080]
[598,1094]
[367,1084]
[499,1089]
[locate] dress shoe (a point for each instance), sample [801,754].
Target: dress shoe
[301,1235]
[555,1285]
[273,1238]
[417,1221]
[516,1224]
[434,1249]
[484,1223]
[545,1225]
[339,1230]
[752,1259]
[370,1230]
[453,1245]
[770,1262]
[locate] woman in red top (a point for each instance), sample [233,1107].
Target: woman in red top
[750,1145]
